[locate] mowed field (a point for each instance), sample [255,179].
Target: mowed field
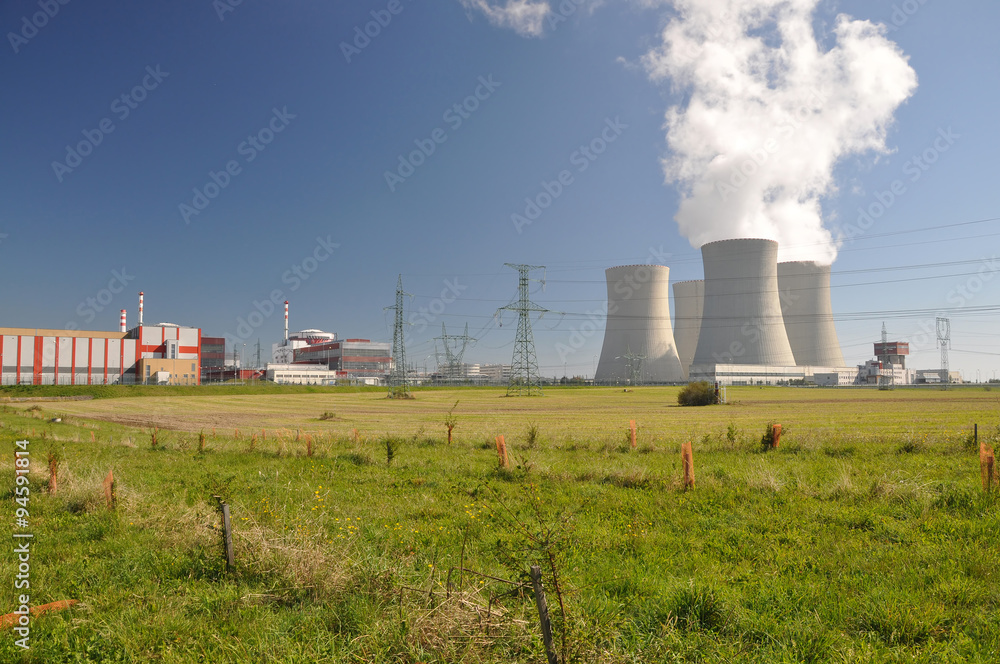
[865,537]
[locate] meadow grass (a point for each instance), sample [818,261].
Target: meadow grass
[865,537]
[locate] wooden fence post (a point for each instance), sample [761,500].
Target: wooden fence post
[775,435]
[543,614]
[227,536]
[987,466]
[53,473]
[632,426]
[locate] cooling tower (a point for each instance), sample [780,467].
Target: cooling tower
[804,291]
[638,334]
[741,319]
[689,296]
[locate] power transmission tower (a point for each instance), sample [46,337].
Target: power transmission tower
[944,341]
[453,358]
[524,366]
[886,376]
[633,367]
[399,385]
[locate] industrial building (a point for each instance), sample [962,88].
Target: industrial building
[355,360]
[162,353]
[638,339]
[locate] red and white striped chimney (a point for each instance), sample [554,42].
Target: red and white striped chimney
[140,308]
[286,322]
[121,323]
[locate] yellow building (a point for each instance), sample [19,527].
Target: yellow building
[158,370]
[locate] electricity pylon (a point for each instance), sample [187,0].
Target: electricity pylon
[399,384]
[633,367]
[944,341]
[524,366]
[453,358]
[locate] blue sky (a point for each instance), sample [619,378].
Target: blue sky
[308,129]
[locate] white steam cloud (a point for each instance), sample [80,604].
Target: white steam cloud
[768,114]
[526,17]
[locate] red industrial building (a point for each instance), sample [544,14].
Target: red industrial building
[163,353]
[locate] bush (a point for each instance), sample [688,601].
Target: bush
[701,393]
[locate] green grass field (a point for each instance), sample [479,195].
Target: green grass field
[865,537]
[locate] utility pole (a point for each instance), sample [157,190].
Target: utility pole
[524,366]
[399,384]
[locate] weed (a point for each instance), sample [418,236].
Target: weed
[533,436]
[732,435]
[392,445]
[327,415]
[450,421]
[698,608]
[769,440]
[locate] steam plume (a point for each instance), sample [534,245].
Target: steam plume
[768,114]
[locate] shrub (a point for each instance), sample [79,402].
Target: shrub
[700,393]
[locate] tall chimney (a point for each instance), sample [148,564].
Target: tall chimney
[140,308]
[286,322]
[121,323]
